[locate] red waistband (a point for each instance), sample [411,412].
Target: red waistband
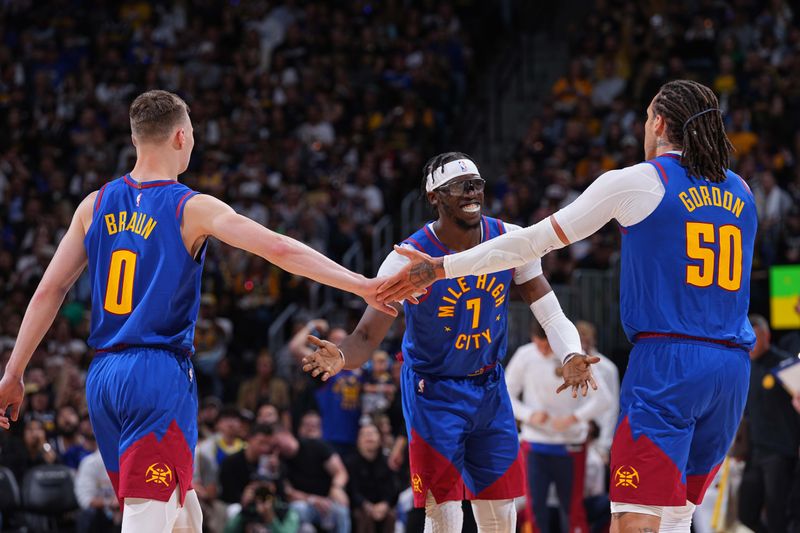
[649,335]
[482,370]
[165,347]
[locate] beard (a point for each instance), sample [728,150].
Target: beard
[460,222]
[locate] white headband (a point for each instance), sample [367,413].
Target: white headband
[439,176]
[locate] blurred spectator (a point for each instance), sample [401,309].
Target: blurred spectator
[607,377]
[379,389]
[372,488]
[316,481]
[222,444]
[207,416]
[555,427]
[265,387]
[310,426]
[338,399]
[569,88]
[264,511]
[20,455]
[100,509]
[774,430]
[249,464]
[68,443]
[40,407]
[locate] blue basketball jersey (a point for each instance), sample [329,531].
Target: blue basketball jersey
[339,402]
[686,267]
[459,326]
[145,285]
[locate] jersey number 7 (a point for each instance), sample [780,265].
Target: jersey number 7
[726,268]
[119,286]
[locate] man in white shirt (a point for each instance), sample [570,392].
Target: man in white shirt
[607,376]
[555,428]
[95,495]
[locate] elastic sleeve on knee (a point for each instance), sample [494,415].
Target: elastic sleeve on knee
[495,516]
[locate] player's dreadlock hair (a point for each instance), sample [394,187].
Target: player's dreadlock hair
[694,124]
[440,161]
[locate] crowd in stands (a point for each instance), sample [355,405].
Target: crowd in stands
[593,120]
[314,118]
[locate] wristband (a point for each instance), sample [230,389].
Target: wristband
[341,353]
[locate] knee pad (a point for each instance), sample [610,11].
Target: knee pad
[677,519]
[445,517]
[142,514]
[190,516]
[653,510]
[495,516]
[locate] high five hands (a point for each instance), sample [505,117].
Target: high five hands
[420,272]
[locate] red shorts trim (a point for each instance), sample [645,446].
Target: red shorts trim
[510,485]
[153,469]
[642,473]
[432,471]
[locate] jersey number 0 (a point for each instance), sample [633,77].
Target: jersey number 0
[119,287]
[727,268]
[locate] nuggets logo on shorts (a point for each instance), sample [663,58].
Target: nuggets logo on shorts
[626,476]
[158,473]
[416,483]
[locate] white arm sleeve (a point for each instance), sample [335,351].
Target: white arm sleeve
[561,333]
[393,263]
[628,195]
[528,271]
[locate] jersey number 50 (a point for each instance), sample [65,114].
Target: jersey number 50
[119,287]
[728,264]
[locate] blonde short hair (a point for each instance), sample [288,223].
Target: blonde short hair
[155,114]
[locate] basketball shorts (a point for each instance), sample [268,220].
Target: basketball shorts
[143,408]
[680,407]
[463,440]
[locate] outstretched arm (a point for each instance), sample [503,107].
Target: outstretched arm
[628,195]
[65,267]
[205,215]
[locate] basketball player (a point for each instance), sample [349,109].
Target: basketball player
[463,438]
[144,238]
[688,226]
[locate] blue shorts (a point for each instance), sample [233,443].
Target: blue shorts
[143,408]
[680,407]
[463,440]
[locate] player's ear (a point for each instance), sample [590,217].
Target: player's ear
[179,139]
[659,125]
[432,199]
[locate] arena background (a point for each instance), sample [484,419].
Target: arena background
[315,118]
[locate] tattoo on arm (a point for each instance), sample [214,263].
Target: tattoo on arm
[422,274]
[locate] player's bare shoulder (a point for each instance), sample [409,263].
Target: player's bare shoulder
[85,210]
